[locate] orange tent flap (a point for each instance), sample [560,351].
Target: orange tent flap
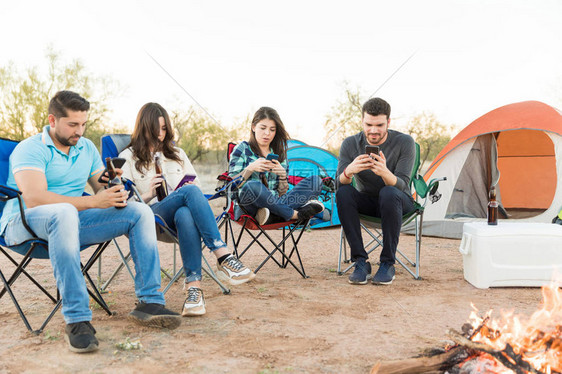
[527,182]
[524,143]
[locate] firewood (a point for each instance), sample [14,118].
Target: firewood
[421,364]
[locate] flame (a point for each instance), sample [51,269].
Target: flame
[537,339]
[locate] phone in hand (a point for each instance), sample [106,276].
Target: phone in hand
[272,156]
[372,149]
[186,179]
[118,163]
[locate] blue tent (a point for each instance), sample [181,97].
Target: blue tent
[305,160]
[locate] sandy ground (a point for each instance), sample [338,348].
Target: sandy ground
[278,323]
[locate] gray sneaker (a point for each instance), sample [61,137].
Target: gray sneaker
[155,315]
[81,337]
[362,272]
[385,274]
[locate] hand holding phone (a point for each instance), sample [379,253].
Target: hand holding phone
[118,163]
[272,156]
[372,149]
[186,179]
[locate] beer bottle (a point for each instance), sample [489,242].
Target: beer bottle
[162,189]
[492,207]
[114,179]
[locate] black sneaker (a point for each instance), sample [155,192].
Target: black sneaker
[362,272]
[80,337]
[155,315]
[309,210]
[385,274]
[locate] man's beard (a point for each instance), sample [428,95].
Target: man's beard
[67,142]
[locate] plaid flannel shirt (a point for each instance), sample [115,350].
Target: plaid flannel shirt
[242,156]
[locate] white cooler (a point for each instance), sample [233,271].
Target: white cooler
[514,254]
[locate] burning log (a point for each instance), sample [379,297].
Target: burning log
[507,357]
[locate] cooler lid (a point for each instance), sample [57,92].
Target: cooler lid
[504,228]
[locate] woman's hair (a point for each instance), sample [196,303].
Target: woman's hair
[279,142]
[144,140]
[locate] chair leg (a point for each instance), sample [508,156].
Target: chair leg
[278,248]
[124,263]
[8,289]
[20,269]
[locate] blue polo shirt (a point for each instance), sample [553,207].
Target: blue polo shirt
[66,174]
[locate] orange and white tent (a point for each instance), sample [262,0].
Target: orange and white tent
[518,149]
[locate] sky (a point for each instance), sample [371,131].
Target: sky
[464,58]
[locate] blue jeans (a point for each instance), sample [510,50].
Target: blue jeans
[389,206]
[66,230]
[188,212]
[254,195]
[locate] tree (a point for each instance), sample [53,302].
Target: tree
[198,134]
[24,98]
[430,134]
[344,118]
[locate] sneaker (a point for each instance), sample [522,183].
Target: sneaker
[362,272]
[155,315]
[194,304]
[385,274]
[233,271]
[309,210]
[262,215]
[80,337]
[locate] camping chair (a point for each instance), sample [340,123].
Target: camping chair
[422,191]
[111,146]
[249,225]
[34,248]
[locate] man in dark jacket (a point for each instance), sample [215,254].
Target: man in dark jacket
[381,188]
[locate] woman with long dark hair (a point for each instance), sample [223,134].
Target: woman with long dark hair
[185,209]
[264,194]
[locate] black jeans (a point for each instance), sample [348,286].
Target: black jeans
[390,206]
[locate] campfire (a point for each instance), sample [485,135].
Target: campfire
[511,344]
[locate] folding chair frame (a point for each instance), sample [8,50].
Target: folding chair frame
[8,193]
[422,190]
[412,267]
[249,223]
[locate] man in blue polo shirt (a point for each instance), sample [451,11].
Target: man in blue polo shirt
[51,170]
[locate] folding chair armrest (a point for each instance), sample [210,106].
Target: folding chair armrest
[430,190]
[7,193]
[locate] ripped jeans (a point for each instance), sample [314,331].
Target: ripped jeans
[188,212]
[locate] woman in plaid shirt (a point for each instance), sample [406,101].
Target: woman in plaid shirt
[262,162]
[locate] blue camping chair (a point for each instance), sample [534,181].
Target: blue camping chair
[35,248]
[111,146]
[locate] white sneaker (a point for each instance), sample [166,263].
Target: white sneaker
[194,304]
[262,216]
[234,272]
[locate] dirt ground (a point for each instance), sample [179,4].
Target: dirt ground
[278,323]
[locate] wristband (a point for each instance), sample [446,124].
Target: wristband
[345,174]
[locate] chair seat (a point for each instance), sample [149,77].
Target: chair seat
[251,223]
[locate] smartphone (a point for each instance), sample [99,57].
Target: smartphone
[372,149]
[118,163]
[272,156]
[186,179]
